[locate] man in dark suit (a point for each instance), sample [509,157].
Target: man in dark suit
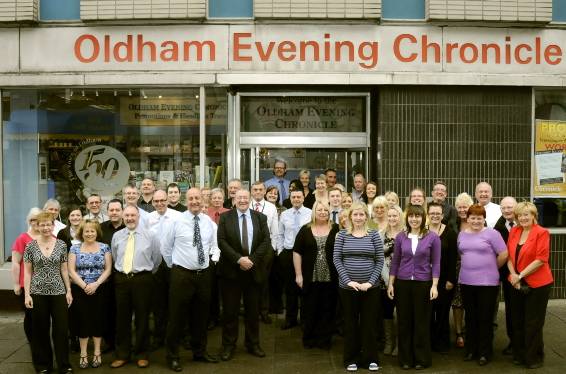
[243,238]
[504,225]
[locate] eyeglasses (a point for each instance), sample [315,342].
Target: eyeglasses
[45,225]
[435,214]
[159,201]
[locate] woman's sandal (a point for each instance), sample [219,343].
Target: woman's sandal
[96,361]
[83,363]
[460,340]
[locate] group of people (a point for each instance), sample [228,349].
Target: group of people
[333,261]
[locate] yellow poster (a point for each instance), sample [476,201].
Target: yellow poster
[550,159]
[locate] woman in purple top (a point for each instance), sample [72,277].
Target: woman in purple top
[413,281]
[482,252]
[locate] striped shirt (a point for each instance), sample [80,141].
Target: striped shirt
[358,259]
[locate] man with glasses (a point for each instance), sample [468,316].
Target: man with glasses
[439,194]
[278,180]
[93,205]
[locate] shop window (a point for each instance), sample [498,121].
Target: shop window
[550,157]
[60,10]
[67,144]
[303,114]
[403,9]
[559,10]
[230,9]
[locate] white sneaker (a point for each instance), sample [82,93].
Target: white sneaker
[352,367]
[373,367]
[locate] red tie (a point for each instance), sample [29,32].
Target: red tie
[257,207]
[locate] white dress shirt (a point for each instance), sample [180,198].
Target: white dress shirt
[157,223]
[270,210]
[492,214]
[177,244]
[288,229]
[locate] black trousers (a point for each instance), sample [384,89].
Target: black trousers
[133,297]
[440,321]
[413,321]
[214,311]
[290,287]
[27,317]
[319,307]
[50,313]
[232,291]
[528,313]
[275,287]
[190,290]
[110,312]
[360,325]
[265,286]
[89,311]
[479,305]
[160,303]
[507,291]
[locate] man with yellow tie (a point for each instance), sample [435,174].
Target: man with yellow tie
[136,254]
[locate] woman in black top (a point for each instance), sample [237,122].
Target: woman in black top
[48,294]
[440,328]
[69,233]
[305,178]
[316,276]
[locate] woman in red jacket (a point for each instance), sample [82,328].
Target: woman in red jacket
[529,250]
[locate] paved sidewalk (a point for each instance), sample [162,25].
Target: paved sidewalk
[285,354]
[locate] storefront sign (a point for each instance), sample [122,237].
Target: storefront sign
[325,48]
[171,111]
[303,114]
[550,159]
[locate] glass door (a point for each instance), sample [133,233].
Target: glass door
[256,163]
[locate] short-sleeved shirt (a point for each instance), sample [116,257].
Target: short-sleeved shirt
[46,278]
[90,266]
[19,246]
[478,254]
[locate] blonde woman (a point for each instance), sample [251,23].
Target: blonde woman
[316,276]
[346,200]
[378,212]
[388,235]
[463,203]
[320,192]
[48,295]
[90,265]
[18,248]
[392,198]
[358,257]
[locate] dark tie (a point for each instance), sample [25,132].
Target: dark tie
[282,189]
[245,245]
[334,214]
[197,242]
[511,224]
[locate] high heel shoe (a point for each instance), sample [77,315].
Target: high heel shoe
[83,363]
[96,361]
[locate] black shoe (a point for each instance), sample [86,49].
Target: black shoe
[482,361]
[469,357]
[419,367]
[518,362]
[508,351]
[43,371]
[175,365]
[68,370]
[227,354]
[256,351]
[289,325]
[405,367]
[211,325]
[206,358]
[265,318]
[535,366]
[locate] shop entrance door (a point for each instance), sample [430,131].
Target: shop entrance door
[256,163]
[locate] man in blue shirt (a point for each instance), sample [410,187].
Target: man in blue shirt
[278,180]
[290,222]
[188,244]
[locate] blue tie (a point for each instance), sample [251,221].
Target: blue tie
[197,242]
[282,190]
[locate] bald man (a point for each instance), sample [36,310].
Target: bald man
[484,194]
